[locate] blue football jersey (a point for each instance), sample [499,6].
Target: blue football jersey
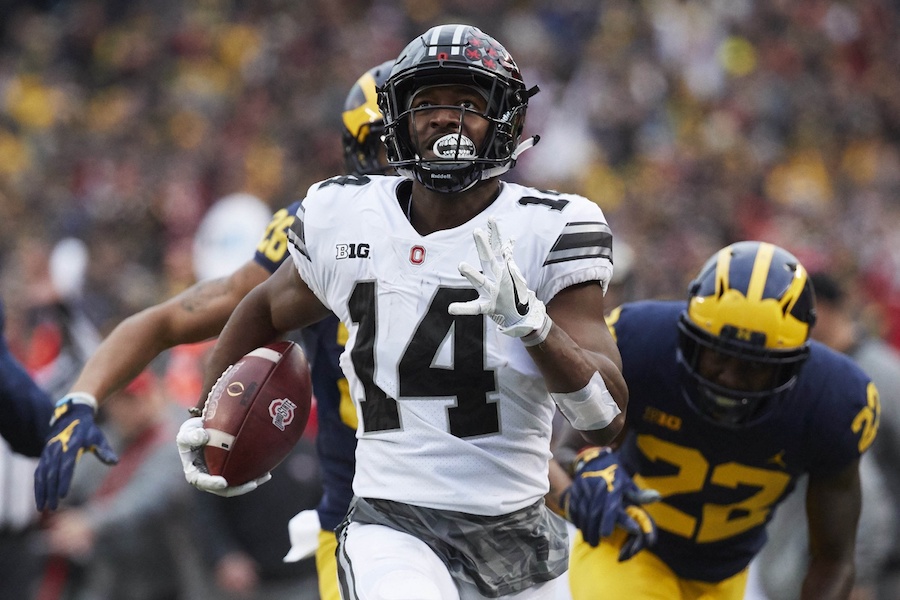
[720,485]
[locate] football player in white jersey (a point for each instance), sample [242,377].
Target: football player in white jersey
[196,314]
[474,309]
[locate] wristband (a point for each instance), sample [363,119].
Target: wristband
[79,398]
[73,398]
[587,455]
[538,335]
[591,407]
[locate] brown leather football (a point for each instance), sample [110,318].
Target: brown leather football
[257,412]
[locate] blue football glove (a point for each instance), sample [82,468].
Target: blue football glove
[72,433]
[602,495]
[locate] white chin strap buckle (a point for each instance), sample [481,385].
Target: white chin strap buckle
[525,145]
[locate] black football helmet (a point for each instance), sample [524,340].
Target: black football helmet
[364,123]
[463,55]
[752,301]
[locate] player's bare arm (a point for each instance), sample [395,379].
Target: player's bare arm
[579,345]
[832,508]
[280,304]
[196,314]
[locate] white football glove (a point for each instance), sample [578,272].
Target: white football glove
[503,294]
[190,439]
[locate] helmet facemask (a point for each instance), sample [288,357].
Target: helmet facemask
[723,405]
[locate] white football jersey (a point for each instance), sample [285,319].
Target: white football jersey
[453,414]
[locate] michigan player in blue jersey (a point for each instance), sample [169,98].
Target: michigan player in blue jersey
[200,313]
[730,402]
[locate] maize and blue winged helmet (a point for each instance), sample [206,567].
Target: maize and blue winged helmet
[364,123]
[754,302]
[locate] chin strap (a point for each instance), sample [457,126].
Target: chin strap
[522,147]
[530,142]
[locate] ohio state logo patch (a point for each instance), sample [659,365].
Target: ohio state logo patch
[282,412]
[417,255]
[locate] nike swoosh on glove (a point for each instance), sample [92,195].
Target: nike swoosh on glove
[72,433]
[503,294]
[603,496]
[190,439]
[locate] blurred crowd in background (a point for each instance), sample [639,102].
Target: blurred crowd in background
[692,123]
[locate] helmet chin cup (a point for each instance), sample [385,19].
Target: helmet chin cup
[444,177]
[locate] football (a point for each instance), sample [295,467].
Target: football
[256,412]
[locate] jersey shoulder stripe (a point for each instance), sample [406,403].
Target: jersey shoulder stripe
[296,235]
[581,239]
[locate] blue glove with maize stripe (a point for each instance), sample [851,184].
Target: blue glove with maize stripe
[602,496]
[72,433]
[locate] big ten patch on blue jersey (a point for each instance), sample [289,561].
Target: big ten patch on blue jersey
[421,377]
[720,485]
[273,247]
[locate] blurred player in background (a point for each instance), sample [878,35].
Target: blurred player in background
[455,371]
[123,532]
[25,411]
[199,313]
[730,402]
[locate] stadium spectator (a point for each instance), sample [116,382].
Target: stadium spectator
[245,538]
[692,128]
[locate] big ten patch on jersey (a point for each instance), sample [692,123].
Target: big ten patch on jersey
[352,250]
